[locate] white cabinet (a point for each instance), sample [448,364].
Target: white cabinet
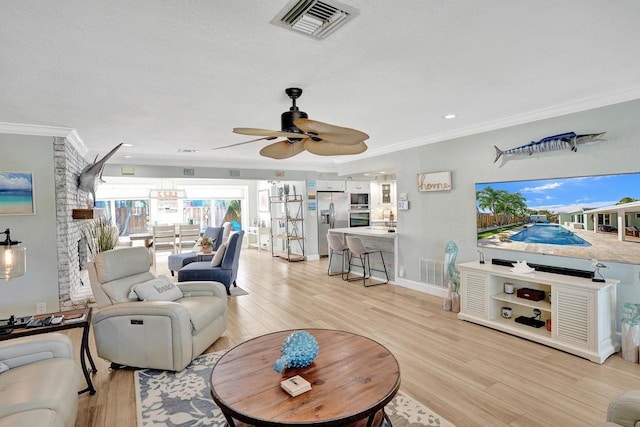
[324,185]
[257,237]
[383,194]
[358,187]
[581,312]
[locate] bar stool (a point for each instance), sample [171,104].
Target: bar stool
[359,251]
[337,246]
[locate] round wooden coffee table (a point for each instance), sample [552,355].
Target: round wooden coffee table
[352,379]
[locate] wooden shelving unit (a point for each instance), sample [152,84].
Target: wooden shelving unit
[287,227]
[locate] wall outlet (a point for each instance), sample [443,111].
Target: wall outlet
[41,308]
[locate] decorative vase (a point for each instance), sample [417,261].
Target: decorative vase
[455,302]
[630,341]
[630,328]
[298,351]
[207,249]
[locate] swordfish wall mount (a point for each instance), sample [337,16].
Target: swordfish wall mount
[562,141]
[88,178]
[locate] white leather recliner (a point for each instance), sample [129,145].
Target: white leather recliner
[158,334]
[39,381]
[624,410]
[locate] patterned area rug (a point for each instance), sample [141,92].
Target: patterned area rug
[182,398]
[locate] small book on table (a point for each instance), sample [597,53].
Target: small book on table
[295,385]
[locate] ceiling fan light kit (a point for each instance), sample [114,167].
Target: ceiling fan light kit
[302,134]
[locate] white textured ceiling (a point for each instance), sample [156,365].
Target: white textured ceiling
[171,74]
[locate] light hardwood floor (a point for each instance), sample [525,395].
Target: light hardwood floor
[469,374]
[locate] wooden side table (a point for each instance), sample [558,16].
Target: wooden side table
[352,379]
[83,322]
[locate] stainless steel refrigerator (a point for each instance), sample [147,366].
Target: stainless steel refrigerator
[332,213]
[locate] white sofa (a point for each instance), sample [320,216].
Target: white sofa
[160,334]
[40,388]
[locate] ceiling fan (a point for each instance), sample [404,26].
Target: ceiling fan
[301,134]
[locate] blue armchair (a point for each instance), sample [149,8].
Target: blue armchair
[225,273]
[177,261]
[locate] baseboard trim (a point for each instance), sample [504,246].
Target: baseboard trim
[422,287]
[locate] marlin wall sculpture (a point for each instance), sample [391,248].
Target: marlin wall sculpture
[562,141]
[88,178]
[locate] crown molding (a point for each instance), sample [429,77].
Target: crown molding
[77,143]
[580,105]
[38,130]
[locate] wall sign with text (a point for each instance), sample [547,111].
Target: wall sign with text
[434,181]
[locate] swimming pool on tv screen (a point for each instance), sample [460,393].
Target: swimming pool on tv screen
[550,235]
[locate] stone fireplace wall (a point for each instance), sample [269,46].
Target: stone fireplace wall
[73,283]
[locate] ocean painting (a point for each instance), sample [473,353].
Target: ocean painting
[16,193]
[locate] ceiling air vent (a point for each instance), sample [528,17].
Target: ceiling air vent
[314,18]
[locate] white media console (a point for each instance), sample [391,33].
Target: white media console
[582,312]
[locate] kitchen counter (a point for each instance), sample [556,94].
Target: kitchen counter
[366,231]
[378,238]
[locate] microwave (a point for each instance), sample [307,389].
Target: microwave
[359,200]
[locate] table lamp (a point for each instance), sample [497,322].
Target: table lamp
[13,258]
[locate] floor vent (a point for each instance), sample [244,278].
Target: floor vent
[432,272]
[314,18]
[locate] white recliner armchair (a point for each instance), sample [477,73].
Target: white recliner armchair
[146,321]
[39,381]
[624,410]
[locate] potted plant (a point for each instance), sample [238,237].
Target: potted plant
[206,243]
[101,236]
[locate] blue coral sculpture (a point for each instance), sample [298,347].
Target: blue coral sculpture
[298,351]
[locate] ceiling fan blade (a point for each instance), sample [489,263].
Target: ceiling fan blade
[267,132]
[331,133]
[283,149]
[325,148]
[267,138]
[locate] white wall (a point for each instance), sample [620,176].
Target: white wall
[434,218]
[37,232]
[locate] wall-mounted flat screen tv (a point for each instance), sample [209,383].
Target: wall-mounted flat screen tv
[591,217]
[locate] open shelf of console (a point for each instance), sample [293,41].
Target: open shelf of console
[513,299]
[581,312]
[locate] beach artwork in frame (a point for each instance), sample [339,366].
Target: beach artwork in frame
[16,193]
[263,201]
